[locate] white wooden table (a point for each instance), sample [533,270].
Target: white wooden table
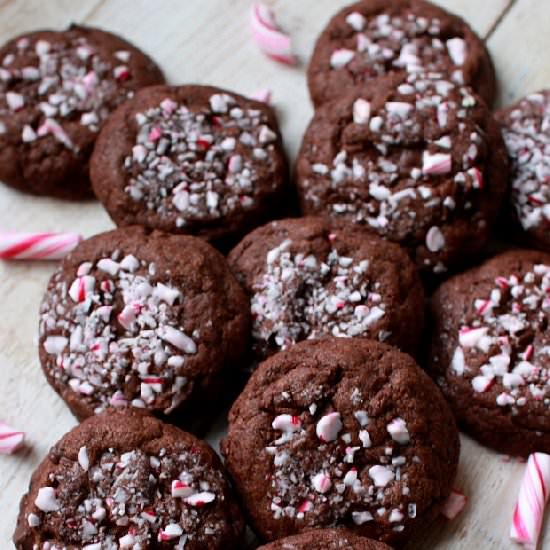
[207,41]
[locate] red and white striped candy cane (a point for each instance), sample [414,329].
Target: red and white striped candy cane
[268,36]
[533,495]
[37,246]
[10,439]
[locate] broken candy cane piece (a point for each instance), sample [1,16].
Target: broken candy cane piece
[11,440]
[262,95]
[454,504]
[532,499]
[328,427]
[436,164]
[435,240]
[37,246]
[268,36]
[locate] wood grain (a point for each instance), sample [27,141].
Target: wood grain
[520,47]
[208,42]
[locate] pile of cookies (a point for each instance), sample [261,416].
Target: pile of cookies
[213,290]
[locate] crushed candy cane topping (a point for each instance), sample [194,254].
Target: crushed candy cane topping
[127,500]
[374,45]
[526,132]
[113,335]
[300,297]
[201,164]
[70,82]
[407,169]
[506,348]
[337,478]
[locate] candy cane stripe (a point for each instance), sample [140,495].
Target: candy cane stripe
[47,248]
[51,250]
[24,244]
[518,525]
[37,246]
[541,479]
[10,439]
[532,498]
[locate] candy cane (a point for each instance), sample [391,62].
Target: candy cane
[263,95]
[37,246]
[532,498]
[10,439]
[454,504]
[268,35]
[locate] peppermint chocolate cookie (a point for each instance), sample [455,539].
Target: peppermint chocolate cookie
[491,350]
[126,480]
[526,130]
[371,39]
[190,159]
[325,539]
[56,90]
[310,277]
[419,160]
[341,432]
[141,320]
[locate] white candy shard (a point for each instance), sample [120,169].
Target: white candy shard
[361,517]
[287,423]
[83,459]
[55,344]
[457,50]
[361,111]
[178,339]
[381,475]
[200,499]
[180,489]
[356,21]
[46,501]
[470,337]
[341,57]
[362,417]
[397,428]
[364,436]
[328,427]
[166,294]
[435,241]
[33,520]
[108,266]
[321,482]
[436,164]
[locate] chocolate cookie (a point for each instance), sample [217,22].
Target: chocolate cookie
[190,159]
[142,320]
[311,277]
[420,161]
[126,480]
[341,432]
[491,350]
[326,539]
[369,40]
[526,130]
[56,90]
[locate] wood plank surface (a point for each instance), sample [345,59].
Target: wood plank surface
[207,41]
[520,47]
